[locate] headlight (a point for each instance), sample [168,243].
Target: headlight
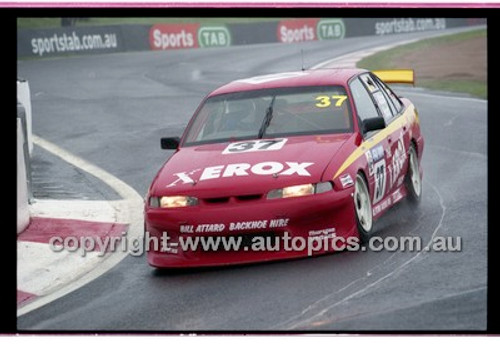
[300,190]
[297,190]
[172,201]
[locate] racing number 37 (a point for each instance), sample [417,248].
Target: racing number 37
[255,146]
[326,101]
[379,169]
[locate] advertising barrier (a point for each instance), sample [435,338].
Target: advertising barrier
[173,36]
[301,30]
[250,33]
[189,35]
[357,27]
[69,40]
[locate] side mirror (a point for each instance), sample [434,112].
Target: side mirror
[170,143]
[373,124]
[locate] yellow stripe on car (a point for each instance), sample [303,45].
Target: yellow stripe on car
[374,140]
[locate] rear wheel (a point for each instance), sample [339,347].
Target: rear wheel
[413,180]
[363,207]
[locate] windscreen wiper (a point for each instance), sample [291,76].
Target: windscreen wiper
[267,118]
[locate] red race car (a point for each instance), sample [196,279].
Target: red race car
[284,165]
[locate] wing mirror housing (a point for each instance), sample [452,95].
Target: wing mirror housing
[373,124]
[170,143]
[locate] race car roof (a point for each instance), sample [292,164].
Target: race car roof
[317,77]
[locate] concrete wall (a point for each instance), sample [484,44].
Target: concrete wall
[23,216]
[24,97]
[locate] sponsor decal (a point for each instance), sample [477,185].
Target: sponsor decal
[382,206]
[380,180]
[407,25]
[173,36]
[299,30]
[67,43]
[279,222]
[397,195]
[322,233]
[377,168]
[303,30]
[235,226]
[202,228]
[398,160]
[389,201]
[255,146]
[372,156]
[330,29]
[214,36]
[250,225]
[258,224]
[243,169]
[188,35]
[346,181]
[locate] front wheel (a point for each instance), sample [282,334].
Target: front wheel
[413,180]
[363,207]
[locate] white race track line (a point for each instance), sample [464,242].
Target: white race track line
[128,210]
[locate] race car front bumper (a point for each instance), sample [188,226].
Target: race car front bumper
[275,222]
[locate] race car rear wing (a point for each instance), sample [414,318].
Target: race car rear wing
[396,76]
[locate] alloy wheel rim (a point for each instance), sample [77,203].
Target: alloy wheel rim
[362,204]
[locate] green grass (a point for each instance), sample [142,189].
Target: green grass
[51,22]
[472,87]
[388,59]
[42,22]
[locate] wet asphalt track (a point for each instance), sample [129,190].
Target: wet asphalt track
[112,110]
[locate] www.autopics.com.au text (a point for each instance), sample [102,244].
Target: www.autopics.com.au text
[258,243]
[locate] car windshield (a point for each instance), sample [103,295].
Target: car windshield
[271,113]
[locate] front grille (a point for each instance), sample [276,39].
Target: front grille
[239,198]
[249,197]
[217,200]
